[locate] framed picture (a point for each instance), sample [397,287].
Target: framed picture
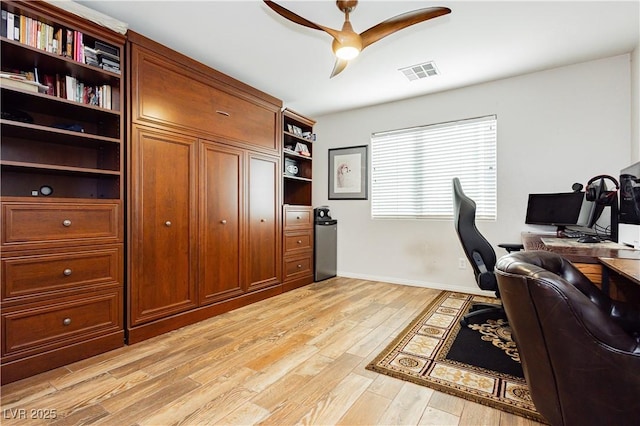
[348,177]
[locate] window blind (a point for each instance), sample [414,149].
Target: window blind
[412,169]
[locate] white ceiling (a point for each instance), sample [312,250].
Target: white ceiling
[478,42]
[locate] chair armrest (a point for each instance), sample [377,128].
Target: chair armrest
[627,315]
[511,247]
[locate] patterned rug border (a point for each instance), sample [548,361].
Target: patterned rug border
[494,401]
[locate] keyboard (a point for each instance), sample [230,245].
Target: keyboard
[574,234]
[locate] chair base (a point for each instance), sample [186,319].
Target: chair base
[481,312]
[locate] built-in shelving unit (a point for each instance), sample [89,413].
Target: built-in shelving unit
[62,190]
[297,148]
[297,142]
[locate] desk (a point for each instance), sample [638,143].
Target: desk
[623,275]
[602,263]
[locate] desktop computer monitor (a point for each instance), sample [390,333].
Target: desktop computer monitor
[558,209]
[629,214]
[630,195]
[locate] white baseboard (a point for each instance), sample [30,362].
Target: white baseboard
[436,286]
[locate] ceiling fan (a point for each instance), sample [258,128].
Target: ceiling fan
[347,44]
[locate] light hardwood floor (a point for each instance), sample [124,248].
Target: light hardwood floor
[298,358]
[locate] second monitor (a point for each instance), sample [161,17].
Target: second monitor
[559,209]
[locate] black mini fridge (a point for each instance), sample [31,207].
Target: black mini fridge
[325,244]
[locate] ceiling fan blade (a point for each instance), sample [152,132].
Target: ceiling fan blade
[287,14]
[340,65]
[399,22]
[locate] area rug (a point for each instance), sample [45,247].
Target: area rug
[479,363]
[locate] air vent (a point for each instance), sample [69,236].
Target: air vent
[416,72]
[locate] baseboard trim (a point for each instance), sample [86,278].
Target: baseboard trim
[413,283]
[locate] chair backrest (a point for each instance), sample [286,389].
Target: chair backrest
[477,249]
[580,365]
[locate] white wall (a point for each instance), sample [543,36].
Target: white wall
[555,127]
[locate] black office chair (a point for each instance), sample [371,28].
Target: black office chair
[480,254]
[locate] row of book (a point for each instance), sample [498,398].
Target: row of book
[66,87]
[77,91]
[60,41]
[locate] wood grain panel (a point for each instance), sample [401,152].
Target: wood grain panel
[70,270]
[171,94]
[297,241]
[297,217]
[33,223]
[34,327]
[164,226]
[264,236]
[221,220]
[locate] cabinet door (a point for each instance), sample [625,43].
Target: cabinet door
[264,242]
[163,225]
[221,217]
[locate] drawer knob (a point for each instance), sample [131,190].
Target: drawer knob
[298,217]
[223,221]
[66,222]
[168,223]
[263,220]
[67,272]
[66,321]
[299,241]
[299,266]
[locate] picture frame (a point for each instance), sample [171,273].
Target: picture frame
[297,131]
[348,173]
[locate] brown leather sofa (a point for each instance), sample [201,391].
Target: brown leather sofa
[580,351]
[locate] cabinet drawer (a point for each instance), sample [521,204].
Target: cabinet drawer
[33,275]
[299,265]
[190,100]
[26,223]
[298,241]
[299,217]
[33,328]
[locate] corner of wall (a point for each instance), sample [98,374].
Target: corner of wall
[635,104]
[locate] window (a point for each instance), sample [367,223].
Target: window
[413,169]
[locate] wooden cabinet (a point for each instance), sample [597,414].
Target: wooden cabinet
[297,153]
[298,246]
[163,253]
[221,222]
[205,178]
[264,234]
[62,193]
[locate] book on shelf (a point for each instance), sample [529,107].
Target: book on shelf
[78,91]
[70,87]
[50,82]
[68,43]
[59,40]
[13,26]
[107,50]
[18,84]
[10,26]
[18,81]
[3,24]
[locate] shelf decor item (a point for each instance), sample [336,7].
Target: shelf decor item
[290,167]
[348,175]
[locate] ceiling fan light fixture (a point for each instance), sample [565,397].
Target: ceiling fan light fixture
[347,44]
[347,52]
